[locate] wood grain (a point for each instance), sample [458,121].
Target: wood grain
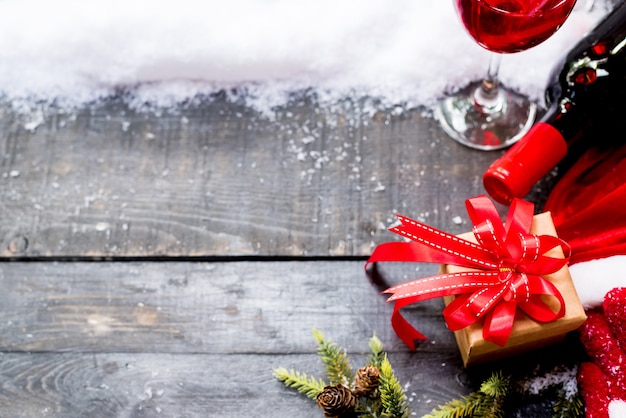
[161,385]
[217,178]
[202,339]
[232,307]
[195,339]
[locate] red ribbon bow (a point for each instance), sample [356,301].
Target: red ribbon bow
[510,262]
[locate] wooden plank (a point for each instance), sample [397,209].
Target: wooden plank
[232,307]
[202,339]
[75,385]
[196,339]
[161,385]
[218,178]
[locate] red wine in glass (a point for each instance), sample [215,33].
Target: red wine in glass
[484,115]
[507,26]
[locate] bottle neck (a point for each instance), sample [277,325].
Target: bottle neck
[513,174]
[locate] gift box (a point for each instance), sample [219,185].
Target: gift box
[526,334]
[506,285]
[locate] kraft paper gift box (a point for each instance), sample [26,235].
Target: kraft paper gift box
[526,334]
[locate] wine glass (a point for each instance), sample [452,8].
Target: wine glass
[485,115]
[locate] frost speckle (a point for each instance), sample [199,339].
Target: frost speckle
[559,376]
[102,226]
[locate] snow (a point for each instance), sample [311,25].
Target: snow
[560,376]
[72,52]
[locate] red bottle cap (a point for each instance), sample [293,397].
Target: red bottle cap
[531,158]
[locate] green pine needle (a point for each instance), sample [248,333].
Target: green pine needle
[372,408]
[476,404]
[467,406]
[569,407]
[376,352]
[305,384]
[335,360]
[497,386]
[485,403]
[391,393]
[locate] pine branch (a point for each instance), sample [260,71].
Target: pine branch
[371,408]
[491,408]
[569,407]
[377,354]
[497,386]
[305,384]
[484,403]
[391,393]
[388,400]
[335,360]
[467,406]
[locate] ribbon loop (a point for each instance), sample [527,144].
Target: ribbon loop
[519,289]
[504,271]
[487,236]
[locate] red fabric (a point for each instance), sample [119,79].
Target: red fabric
[588,205]
[602,379]
[594,388]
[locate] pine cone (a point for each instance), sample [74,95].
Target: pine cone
[336,401]
[366,381]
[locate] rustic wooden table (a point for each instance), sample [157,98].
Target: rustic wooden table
[164,263]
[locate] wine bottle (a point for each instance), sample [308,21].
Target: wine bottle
[586,98]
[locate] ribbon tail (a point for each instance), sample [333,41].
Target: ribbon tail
[499,323]
[403,329]
[433,287]
[410,252]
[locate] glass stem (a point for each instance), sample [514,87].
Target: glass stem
[488,97]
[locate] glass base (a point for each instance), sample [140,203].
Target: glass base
[507,118]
